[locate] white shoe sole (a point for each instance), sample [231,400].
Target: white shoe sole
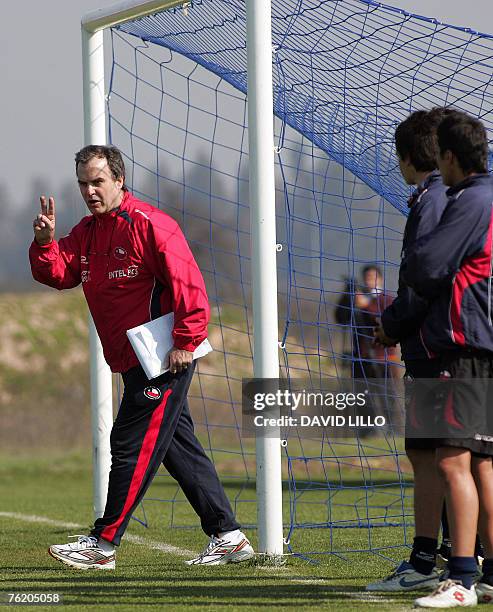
[82,566]
[242,555]
[238,557]
[445,606]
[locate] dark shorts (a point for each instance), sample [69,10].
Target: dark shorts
[469,403]
[455,409]
[422,369]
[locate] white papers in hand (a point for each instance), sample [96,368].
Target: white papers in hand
[152,342]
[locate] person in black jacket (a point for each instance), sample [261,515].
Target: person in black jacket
[452,268]
[416,147]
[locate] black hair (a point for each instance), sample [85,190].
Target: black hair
[466,138]
[112,155]
[370,267]
[416,139]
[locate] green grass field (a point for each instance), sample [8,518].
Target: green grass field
[45,498]
[47,495]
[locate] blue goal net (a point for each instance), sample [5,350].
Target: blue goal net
[346,72]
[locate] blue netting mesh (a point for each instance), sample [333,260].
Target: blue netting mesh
[345,73]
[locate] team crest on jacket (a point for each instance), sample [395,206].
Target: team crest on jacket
[152,393]
[120,253]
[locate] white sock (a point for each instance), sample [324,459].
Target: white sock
[231,535]
[105,545]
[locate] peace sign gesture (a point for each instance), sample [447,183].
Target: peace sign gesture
[44,222]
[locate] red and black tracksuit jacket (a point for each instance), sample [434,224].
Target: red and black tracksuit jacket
[134,265]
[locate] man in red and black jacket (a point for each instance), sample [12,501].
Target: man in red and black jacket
[135,265]
[452,268]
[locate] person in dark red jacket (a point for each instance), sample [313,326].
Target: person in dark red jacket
[452,268]
[135,265]
[360,308]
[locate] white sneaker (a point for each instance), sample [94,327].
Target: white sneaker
[83,554]
[405,578]
[484,592]
[223,550]
[449,594]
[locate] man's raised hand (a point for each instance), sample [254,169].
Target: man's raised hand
[44,222]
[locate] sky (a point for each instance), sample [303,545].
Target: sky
[41,100]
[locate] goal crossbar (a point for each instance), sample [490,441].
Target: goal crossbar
[128,10]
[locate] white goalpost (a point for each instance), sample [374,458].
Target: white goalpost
[263,244]
[101,382]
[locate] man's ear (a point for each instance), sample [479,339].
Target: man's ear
[449,157]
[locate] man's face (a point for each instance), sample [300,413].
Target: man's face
[372,280]
[408,171]
[100,191]
[447,168]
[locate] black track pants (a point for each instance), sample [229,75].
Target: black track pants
[154,426]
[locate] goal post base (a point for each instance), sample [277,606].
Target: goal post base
[266,560]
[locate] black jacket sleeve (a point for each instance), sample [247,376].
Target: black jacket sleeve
[434,260]
[407,312]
